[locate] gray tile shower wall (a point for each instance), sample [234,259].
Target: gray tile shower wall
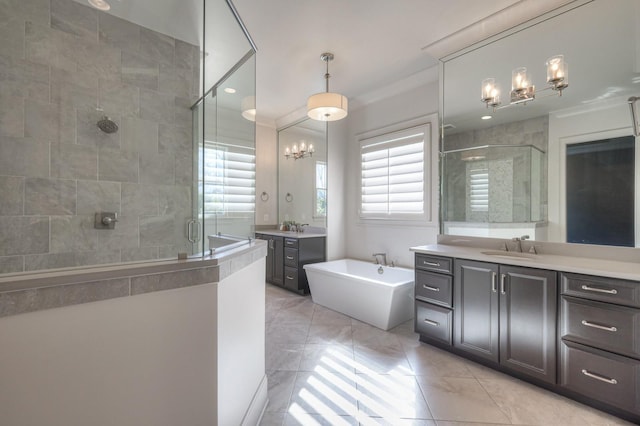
[64,65]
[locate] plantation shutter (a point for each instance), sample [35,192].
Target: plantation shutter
[229,179]
[393,174]
[479,190]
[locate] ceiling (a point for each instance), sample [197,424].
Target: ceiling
[376,43]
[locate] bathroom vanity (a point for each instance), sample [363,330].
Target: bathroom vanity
[287,253]
[566,323]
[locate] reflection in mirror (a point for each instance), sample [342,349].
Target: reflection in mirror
[605,73]
[302,174]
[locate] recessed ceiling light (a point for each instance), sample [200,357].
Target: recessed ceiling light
[100,4]
[486,117]
[230,90]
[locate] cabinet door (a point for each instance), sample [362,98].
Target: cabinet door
[269,260]
[476,308]
[528,321]
[278,261]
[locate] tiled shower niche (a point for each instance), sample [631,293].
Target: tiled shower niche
[63,66]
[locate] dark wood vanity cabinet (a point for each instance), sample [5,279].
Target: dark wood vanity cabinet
[275,256]
[507,315]
[434,298]
[286,257]
[600,339]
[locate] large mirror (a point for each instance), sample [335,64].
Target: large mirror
[563,166]
[302,174]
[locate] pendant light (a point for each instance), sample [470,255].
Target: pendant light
[327,106]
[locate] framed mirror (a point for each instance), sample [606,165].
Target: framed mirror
[302,174]
[506,167]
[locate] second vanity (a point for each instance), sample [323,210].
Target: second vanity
[287,253]
[569,324]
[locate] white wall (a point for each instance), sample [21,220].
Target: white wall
[338,142]
[365,238]
[266,174]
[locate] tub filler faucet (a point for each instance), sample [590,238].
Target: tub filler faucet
[384,258]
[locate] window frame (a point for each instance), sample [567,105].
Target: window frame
[427,125]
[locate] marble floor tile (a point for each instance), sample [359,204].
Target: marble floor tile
[286,333]
[334,358]
[381,359]
[391,397]
[323,392]
[447,423]
[280,386]
[460,399]
[430,361]
[394,421]
[367,335]
[272,419]
[283,356]
[526,404]
[325,316]
[307,419]
[330,334]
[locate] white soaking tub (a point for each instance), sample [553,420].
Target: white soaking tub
[357,289]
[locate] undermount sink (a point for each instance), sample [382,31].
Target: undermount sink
[510,255]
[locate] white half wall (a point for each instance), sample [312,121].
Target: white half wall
[366,237]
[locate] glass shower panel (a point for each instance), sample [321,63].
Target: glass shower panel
[228,152]
[493,184]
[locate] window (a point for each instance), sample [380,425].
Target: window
[479,189]
[229,180]
[393,175]
[320,195]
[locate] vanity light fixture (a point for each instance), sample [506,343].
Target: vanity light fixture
[522,89]
[296,152]
[327,106]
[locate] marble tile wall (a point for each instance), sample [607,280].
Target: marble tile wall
[64,65]
[510,202]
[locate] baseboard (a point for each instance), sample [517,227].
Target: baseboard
[258,405]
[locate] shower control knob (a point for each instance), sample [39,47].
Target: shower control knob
[107,220]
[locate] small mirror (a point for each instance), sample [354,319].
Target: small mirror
[302,174]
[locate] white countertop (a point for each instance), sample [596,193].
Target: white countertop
[578,265]
[291,234]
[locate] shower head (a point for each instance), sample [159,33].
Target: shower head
[107,125]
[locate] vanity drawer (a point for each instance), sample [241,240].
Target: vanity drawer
[290,278]
[291,257]
[434,263]
[433,322]
[291,242]
[611,327]
[611,290]
[600,375]
[435,288]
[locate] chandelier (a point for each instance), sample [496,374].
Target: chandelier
[296,152]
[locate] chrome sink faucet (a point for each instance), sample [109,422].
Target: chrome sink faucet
[518,241]
[384,258]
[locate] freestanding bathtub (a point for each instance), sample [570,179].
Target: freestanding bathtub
[356,288]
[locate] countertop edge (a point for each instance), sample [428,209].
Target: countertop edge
[578,265]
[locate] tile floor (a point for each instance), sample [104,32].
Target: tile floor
[325,368]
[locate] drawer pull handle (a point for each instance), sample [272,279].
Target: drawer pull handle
[599,377]
[494,282]
[424,262]
[503,289]
[598,326]
[434,323]
[289,257]
[430,288]
[600,290]
[290,278]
